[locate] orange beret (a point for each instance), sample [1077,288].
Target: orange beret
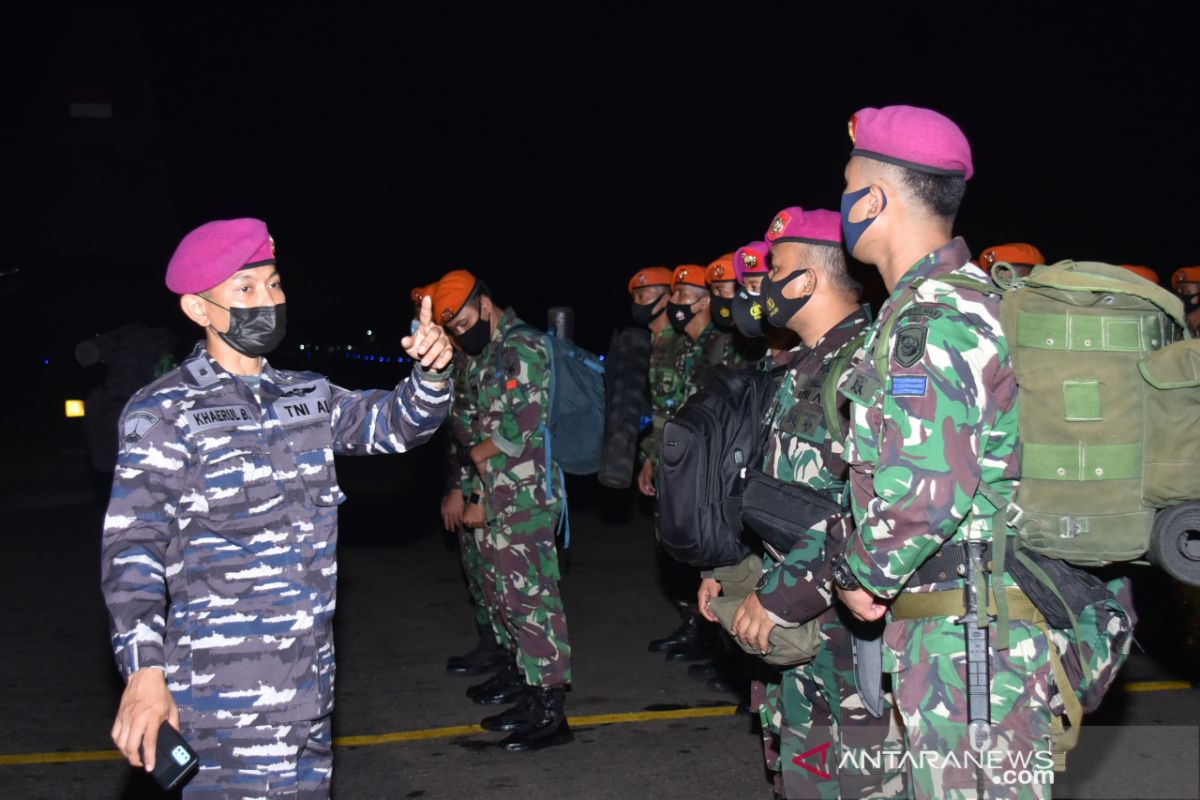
[421,292]
[1145,272]
[650,276]
[721,270]
[1185,275]
[451,294]
[691,274]
[1015,253]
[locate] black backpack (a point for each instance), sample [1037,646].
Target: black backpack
[717,433]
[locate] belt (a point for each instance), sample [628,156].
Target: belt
[949,603]
[947,564]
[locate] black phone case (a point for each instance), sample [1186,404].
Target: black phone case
[175,760]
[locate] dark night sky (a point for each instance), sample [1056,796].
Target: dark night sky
[557,151]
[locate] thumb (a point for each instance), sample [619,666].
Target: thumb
[426,314]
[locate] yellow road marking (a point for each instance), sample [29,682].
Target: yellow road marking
[465,730]
[402,736]
[1155,686]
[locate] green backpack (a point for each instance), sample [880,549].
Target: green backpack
[1109,381]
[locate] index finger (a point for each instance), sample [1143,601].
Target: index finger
[425,316]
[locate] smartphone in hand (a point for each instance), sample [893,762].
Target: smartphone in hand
[175,761]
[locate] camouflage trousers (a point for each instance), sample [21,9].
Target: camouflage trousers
[474,546]
[927,661]
[827,745]
[294,760]
[525,559]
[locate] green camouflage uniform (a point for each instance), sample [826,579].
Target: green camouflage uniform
[473,545]
[668,388]
[920,444]
[524,499]
[712,347]
[817,702]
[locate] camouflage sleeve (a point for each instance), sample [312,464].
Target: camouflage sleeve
[648,447]
[376,421]
[800,588]
[945,381]
[526,373]
[148,486]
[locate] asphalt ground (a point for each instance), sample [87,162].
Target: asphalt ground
[403,726]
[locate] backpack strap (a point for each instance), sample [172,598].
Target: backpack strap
[829,393]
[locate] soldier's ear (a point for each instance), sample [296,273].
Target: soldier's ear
[195,308]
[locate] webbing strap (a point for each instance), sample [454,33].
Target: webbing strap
[949,603]
[1100,333]
[829,394]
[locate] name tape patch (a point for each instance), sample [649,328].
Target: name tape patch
[203,419]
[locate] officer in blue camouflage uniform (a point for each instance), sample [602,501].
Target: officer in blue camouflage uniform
[219,548]
[933,450]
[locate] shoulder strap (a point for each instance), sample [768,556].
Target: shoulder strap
[504,342]
[829,393]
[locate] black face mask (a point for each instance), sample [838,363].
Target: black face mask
[748,314]
[475,338]
[1191,302]
[254,331]
[680,315]
[722,312]
[780,309]
[645,314]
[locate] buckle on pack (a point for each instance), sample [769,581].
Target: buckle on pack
[1071,527]
[1015,516]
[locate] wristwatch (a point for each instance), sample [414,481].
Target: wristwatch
[842,576]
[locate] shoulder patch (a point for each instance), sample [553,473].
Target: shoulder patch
[910,345]
[137,425]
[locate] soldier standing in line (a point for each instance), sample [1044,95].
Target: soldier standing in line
[521,507]
[218,556]
[810,291]
[463,488]
[651,291]
[933,450]
[723,283]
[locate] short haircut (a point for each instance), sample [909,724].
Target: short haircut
[833,263]
[940,195]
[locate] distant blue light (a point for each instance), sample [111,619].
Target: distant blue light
[45,362]
[601,358]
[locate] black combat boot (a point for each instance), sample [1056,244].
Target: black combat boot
[687,631]
[513,718]
[697,647]
[503,687]
[486,655]
[704,671]
[547,722]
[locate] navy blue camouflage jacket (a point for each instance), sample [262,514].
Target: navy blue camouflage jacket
[218,558]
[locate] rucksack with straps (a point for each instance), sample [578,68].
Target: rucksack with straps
[575,419]
[1109,382]
[574,430]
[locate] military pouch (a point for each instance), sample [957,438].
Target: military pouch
[781,513]
[787,647]
[1172,437]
